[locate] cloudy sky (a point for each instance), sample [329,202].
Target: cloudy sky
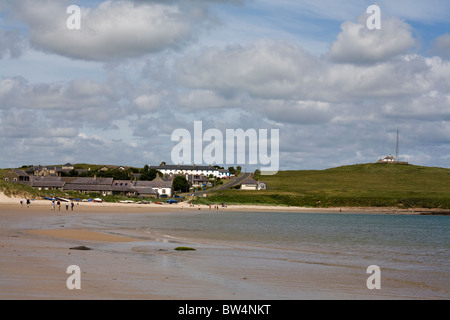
[114,91]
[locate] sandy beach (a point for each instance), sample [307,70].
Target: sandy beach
[45,205]
[37,245]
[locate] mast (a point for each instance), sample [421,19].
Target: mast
[396,149]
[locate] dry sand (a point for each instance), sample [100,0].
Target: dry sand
[136,207]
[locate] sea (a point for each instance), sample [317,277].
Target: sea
[325,255]
[295,255]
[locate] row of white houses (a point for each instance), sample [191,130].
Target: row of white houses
[192,170]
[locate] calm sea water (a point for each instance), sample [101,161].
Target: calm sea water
[412,251]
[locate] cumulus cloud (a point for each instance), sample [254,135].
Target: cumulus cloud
[149,102]
[73,95]
[299,112]
[263,70]
[280,71]
[356,44]
[339,108]
[113,30]
[198,99]
[441,46]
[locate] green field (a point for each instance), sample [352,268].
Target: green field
[363,185]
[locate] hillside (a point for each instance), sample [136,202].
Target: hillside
[362,185]
[374,185]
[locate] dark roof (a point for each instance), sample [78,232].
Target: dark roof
[93,181]
[122,185]
[68,179]
[87,187]
[249,180]
[90,184]
[144,190]
[49,181]
[156,183]
[21,173]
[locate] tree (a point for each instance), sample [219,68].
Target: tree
[73,173]
[149,174]
[238,170]
[180,184]
[231,170]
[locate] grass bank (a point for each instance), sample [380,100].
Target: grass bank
[363,185]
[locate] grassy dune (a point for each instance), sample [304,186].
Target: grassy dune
[374,185]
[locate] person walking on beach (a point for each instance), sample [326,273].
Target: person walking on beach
[71,205]
[53,205]
[28,203]
[59,205]
[21,202]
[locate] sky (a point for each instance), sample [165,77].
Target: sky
[115,90]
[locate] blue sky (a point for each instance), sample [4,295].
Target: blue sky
[114,91]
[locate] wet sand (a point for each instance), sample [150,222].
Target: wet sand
[36,250]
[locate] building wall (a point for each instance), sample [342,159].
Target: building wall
[161,191]
[248,187]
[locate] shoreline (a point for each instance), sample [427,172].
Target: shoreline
[13,203]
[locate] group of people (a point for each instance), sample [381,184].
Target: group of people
[58,203]
[54,204]
[22,202]
[216,206]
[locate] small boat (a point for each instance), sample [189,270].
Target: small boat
[47,198]
[126,201]
[157,202]
[98,200]
[62,199]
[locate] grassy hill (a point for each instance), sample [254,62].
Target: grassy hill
[362,185]
[374,185]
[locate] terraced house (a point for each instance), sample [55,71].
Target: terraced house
[103,186]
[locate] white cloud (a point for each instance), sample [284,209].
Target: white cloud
[441,46]
[197,99]
[74,95]
[338,108]
[263,70]
[357,44]
[280,71]
[149,102]
[113,30]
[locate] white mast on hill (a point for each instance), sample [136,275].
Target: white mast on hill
[396,149]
